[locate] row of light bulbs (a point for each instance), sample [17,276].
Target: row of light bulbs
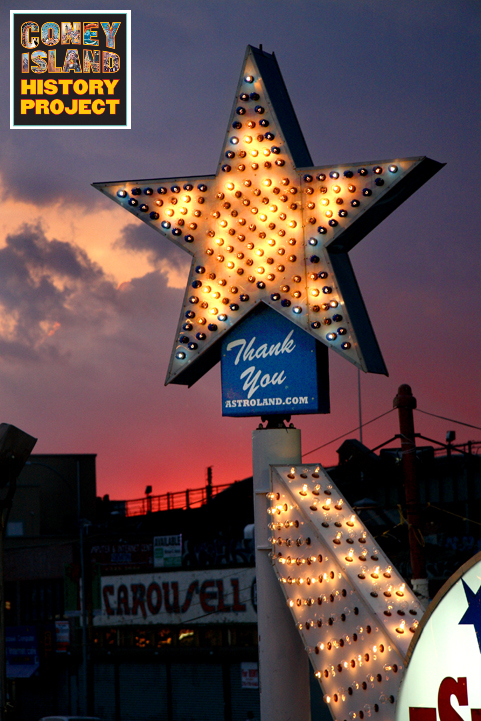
[355,649]
[261,216]
[380,581]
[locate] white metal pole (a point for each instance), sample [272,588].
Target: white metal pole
[283,662]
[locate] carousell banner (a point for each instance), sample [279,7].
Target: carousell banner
[271,366]
[213,596]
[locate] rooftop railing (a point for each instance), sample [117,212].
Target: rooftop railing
[179,500]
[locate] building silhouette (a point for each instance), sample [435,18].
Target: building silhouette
[170,605]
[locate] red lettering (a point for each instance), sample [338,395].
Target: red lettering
[207,596]
[123,601]
[220,589]
[237,605]
[449,687]
[174,606]
[154,588]
[106,592]
[189,596]
[418,713]
[138,599]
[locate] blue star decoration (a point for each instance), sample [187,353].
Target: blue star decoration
[269,227]
[472,616]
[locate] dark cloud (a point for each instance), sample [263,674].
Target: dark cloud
[29,250]
[47,285]
[55,303]
[141,238]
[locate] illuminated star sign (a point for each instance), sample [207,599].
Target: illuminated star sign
[270,227]
[472,617]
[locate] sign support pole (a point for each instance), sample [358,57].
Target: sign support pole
[283,662]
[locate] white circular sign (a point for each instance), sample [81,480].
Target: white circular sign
[442,681]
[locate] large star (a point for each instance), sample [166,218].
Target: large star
[472,616]
[270,227]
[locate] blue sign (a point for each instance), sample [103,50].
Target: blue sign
[272,367]
[21,649]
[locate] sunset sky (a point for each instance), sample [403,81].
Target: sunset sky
[90,296]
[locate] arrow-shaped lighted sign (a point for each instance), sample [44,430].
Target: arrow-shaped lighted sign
[270,227]
[355,614]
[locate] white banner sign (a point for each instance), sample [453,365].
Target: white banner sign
[249,675]
[167,551]
[220,596]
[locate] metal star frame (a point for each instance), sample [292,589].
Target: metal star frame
[269,227]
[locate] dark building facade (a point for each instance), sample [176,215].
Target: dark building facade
[170,595]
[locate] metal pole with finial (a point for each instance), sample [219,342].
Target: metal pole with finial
[405,403]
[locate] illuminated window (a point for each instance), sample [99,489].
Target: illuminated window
[163,637]
[187,637]
[142,639]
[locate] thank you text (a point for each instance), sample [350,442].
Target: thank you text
[270,366]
